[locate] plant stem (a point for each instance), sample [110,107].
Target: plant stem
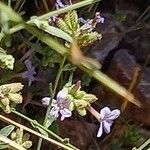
[52,96]
[97,74]
[94,113]
[34,122]
[9,3]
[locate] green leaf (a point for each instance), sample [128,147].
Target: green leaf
[59,33]
[6,131]
[43,25]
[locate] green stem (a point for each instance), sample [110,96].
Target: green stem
[9,3]
[34,122]
[52,96]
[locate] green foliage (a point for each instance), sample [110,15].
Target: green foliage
[6,131]
[129,138]
[49,57]
[85,80]
[120,16]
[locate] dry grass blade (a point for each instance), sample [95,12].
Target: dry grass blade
[92,68]
[5,119]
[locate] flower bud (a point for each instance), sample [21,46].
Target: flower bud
[45,101]
[16,98]
[13,135]
[27,144]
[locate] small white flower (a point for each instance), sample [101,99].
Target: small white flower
[106,120]
[45,101]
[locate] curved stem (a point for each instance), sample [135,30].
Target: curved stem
[52,93]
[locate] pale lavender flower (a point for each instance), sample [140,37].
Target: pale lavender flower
[59,106]
[87,24]
[99,18]
[107,118]
[29,74]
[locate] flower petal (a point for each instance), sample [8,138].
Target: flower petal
[106,126]
[54,112]
[105,112]
[114,114]
[54,103]
[62,94]
[100,130]
[65,113]
[45,101]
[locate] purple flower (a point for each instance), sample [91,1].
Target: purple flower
[106,120]
[29,74]
[87,24]
[59,106]
[98,18]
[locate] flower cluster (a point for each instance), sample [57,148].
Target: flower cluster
[68,99]
[71,97]
[77,27]
[9,96]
